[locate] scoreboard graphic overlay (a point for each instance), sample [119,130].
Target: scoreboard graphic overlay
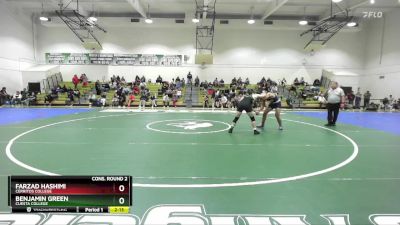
[82,194]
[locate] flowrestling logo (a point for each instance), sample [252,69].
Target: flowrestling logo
[184,215]
[191,125]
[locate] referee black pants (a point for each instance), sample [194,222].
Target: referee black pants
[333,112]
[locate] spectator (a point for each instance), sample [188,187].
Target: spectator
[131,99]
[283,82]
[136,90]
[84,80]
[75,81]
[103,100]
[223,102]
[247,81]
[16,99]
[386,104]
[31,99]
[143,99]
[121,99]
[367,98]
[391,101]
[4,96]
[115,99]
[93,100]
[196,81]
[166,100]
[77,94]
[178,94]
[97,86]
[174,100]
[206,102]
[357,99]
[123,81]
[153,99]
[316,83]
[350,98]
[189,78]
[159,80]
[335,101]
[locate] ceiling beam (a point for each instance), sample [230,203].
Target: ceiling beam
[327,13]
[272,7]
[70,5]
[136,4]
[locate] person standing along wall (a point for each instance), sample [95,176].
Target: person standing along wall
[367,97]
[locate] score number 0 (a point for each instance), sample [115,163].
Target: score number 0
[121,200]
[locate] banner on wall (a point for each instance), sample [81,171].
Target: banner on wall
[114,59]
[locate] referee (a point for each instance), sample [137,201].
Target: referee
[335,101]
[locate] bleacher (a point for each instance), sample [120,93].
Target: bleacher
[90,88]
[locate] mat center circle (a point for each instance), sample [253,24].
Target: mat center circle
[188,126]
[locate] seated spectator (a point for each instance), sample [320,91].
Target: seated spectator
[166,100]
[93,100]
[123,81]
[183,82]
[233,82]
[247,81]
[350,98]
[206,101]
[75,80]
[174,100]
[179,93]
[159,80]
[77,94]
[274,89]
[222,83]
[84,80]
[136,90]
[216,82]
[64,89]
[316,83]
[296,81]
[131,99]
[49,98]
[223,101]
[386,105]
[121,100]
[31,99]
[59,89]
[283,82]
[143,79]
[302,82]
[153,99]
[103,100]
[16,99]
[143,100]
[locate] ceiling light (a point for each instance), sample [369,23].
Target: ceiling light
[303,22]
[336,1]
[148,20]
[372,1]
[251,21]
[195,20]
[92,19]
[351,24]
[43,18]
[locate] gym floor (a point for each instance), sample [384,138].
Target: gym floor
[188,157]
